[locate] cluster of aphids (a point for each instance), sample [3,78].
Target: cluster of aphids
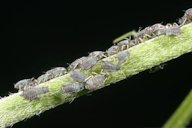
[154,31]
[31,90]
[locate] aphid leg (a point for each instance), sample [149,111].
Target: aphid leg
[157,68]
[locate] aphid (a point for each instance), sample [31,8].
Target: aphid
[77,75]
[58,71]
[34,92]
[172,30]
[109,67]
[95,82]
[124,44]
[113,50]
[88,63]
[122,56]
[144,33]
[151,31]
[25,83]
[44,78]
[98,54]
[187,17]
[76,63]
[72,88]
[157,29]
[50,74]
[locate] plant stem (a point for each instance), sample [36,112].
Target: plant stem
[182,116]
[146,55]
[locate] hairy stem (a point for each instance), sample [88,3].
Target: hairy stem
[182,116]
[146,55]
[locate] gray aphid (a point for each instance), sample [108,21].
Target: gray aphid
[187,17]
[122,56]
[98,54]
[73,87]
[113,50]
[157,29]
[25,83]
[34,92]
[95,82]
[109,66]
[76,63]
[151,31]
[77,75]
[172,30]
[58,71]
[44,78]
[88,63]
[124,44]
[50,74]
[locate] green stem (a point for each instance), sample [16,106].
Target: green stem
[146,55]
[182,116]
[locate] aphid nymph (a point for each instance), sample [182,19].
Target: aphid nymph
[157,29]
[98,54]
[187,17]
[76,63]
[122,56]
[109,66]
[72,88]
[34,92]
[172,30]
[88,63]
[50,74]
[95,82]
[25,83]
[58,71]
[113,50]
[77,75]
[44,78]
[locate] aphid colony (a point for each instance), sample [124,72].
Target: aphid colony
[30,89]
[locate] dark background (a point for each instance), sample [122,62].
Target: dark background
[37,37]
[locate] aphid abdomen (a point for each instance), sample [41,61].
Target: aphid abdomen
[73,87]
[34,92]
[77,75]
[109,67]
